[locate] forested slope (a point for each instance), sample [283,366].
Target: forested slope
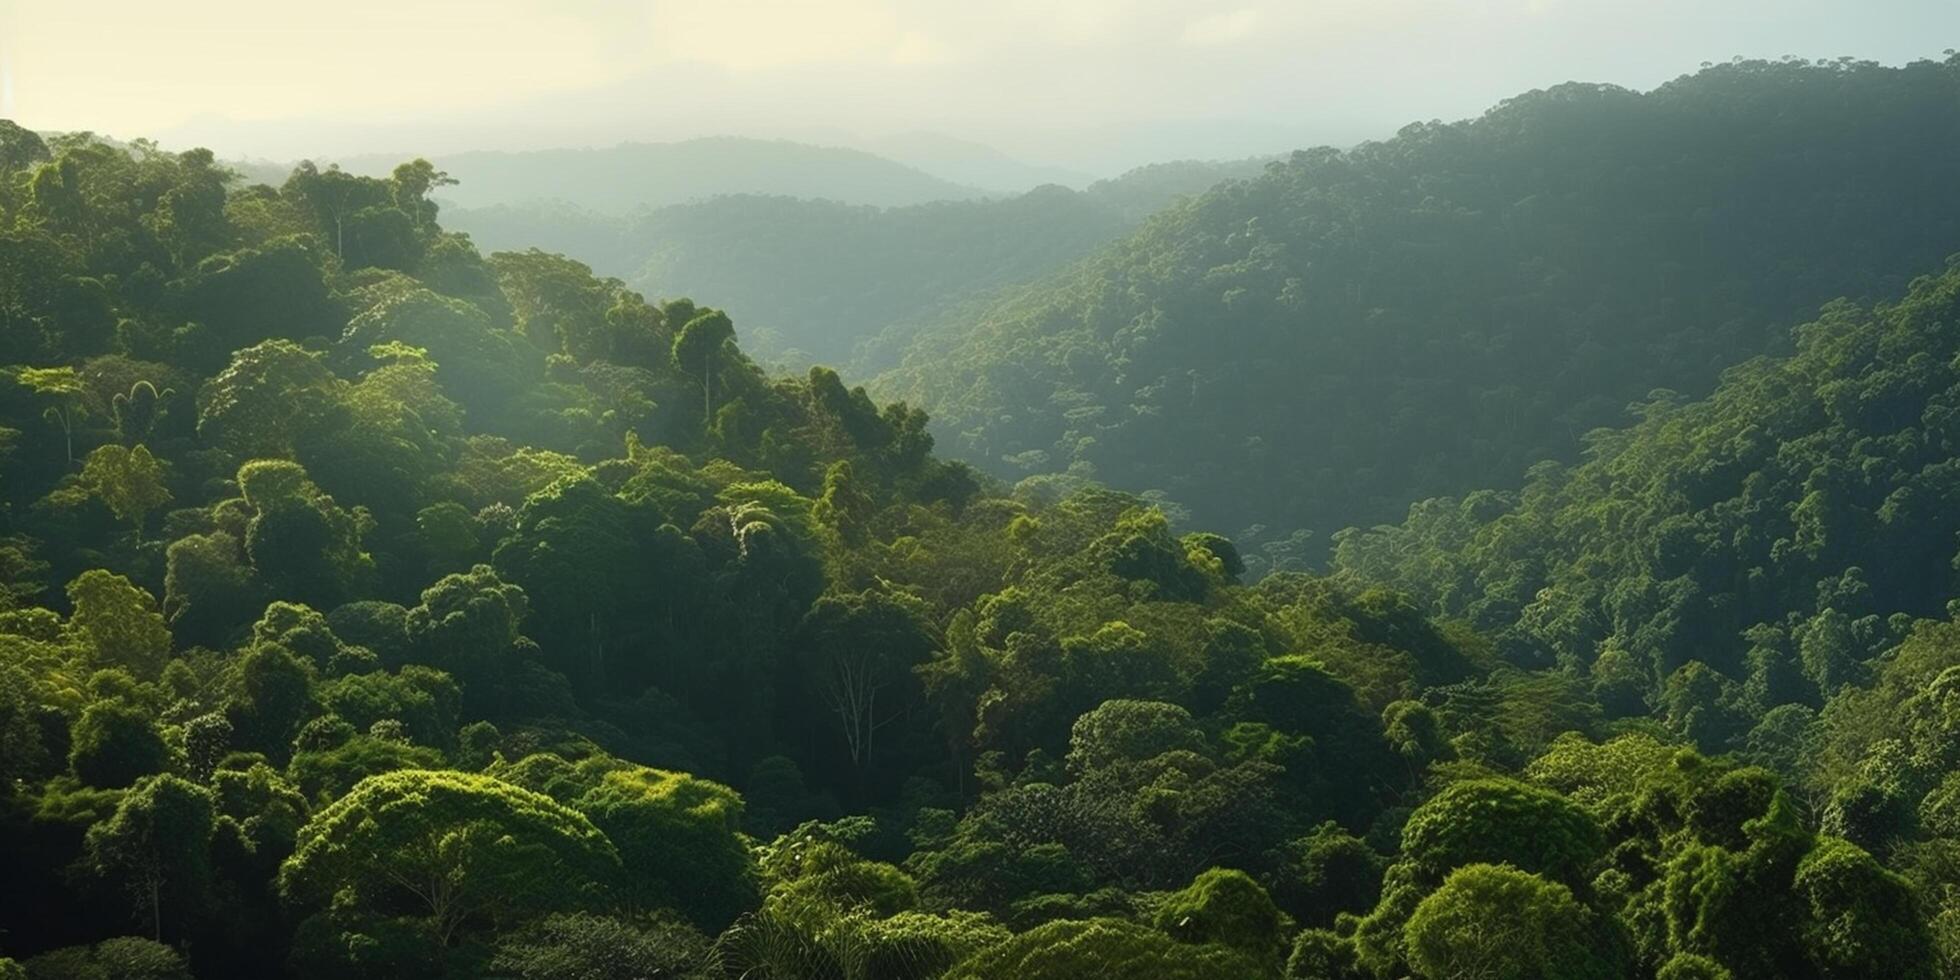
[823,279]
[370,607]
[1771,570]
[1437,311]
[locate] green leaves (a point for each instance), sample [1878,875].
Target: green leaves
[1111,948]
[157,846]
[1225,907]
[114,744]
[1492,821]
[468,623]
[462,849]
[119,623]
[129,481]
[273,395]
[304,545]
[1495,920]
[676,834]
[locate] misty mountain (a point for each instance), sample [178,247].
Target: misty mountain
[811,279]
[1437,311]
[973,164]
[631,175]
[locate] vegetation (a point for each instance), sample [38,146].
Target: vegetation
[1434,313]
[824,280]
[372,607]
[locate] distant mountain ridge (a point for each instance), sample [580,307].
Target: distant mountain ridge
[633,175]
[1435,312]
[830,281]
[973,163]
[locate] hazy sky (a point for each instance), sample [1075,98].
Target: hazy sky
[1086,83]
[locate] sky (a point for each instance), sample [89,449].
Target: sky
[1096,85]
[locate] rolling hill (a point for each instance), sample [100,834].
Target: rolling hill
[1437,311]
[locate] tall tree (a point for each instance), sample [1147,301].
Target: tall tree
[463,849]
[129,481]
[158,844]
[699,348]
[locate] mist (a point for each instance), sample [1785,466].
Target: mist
[1091,87]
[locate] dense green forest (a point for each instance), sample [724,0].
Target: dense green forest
[1435,312]
[822,280]
[371,606]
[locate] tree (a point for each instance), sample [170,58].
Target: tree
[303,544]
[1326,873]
[20,148]
[275,291]
[857,647]
[1107,948]
[572,553]
[677,839]
[426,702]
[699,348]
[115,744]
[158,844]
[119,622]
[273,395]
[332,196]
[1320,954]
[207,740]
[462,848]
[845,506]
[190,217]
[326,772]
[491,372]
[1688,966]
[1496,921]
[21,719]
[302,630]
[62,389]
[121,958]
[468,623]
[1864,920]
[1415,733]
[207,587]
[1120,732]
[1348,762]
[1227,907]
[129,481]
[412,182]
[584,946]
[49,312]
[560,306]
[270,694]
[450,534]
[1498,821]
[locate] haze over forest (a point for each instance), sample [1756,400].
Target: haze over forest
[1093,86]
[876,490]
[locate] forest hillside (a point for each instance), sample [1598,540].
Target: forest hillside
[1435,312]
[828,281]
[372,606]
